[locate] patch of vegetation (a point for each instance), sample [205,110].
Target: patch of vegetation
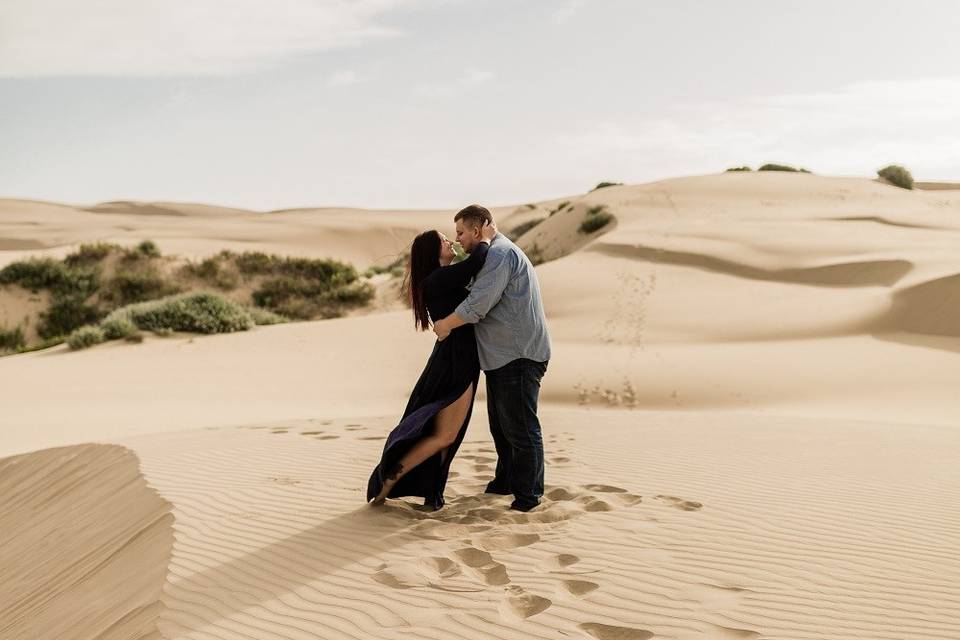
[11,339]
[199,312]
[560,207]
[85,337]
[119,286]
[530,206]
[118,326]
[215,271]
[264,317]
[597,218]
[521,229]
[743,168]
[535,255]
[136,284]
[149,249]
[90,254]
[897,175]
[304,298]
[603,185]
[395,268]
[55,276]
[65,314]
[781,167]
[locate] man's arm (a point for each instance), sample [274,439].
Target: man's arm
[485,293]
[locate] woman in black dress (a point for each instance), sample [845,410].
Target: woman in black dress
[416,457]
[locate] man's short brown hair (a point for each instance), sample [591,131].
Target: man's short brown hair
[474,215]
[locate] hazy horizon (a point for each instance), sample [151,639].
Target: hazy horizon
[437,103]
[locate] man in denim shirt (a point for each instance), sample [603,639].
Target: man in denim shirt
[514,347]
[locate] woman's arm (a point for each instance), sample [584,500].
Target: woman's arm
[456,276]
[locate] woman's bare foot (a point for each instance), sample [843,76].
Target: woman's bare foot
[391,480]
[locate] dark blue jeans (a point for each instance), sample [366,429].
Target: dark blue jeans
[512,394]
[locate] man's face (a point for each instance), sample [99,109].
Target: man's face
[467,236]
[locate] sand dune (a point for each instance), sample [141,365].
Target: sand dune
[750,422]
[84,545]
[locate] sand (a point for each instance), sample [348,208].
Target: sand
[750,418]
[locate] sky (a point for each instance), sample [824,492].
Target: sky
[441,103]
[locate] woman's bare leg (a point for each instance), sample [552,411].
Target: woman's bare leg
[447,425]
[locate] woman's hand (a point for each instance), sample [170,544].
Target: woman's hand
[488,231]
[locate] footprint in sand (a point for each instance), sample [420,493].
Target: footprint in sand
[489,570]
[330,437]
[560,459]
[371,438]
[560,562]
[354,427]
[521,604]
[610,632]
[440,567]
[604,488]
[505,541]
[440,530]
[578,588]
[593,504]
[280,431]
[680,503]
[310,433]
[397,580]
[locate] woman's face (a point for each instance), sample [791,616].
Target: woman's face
[446,250]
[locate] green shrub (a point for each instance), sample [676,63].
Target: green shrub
[85,337]
[255,262]
[46,273]
[597,209]
[118,327]
[303,299]
[594,222]
[530,206]
[11,339]
[535,255]
[149,248]
[136,285]
[200,312]
[560,207]
[521,229]
[211,270]
[897,175]
[90,254]
[264,316]
[782,167]
[65,314]
[743,168]
[603,185]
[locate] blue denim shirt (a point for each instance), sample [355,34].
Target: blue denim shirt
[505,305]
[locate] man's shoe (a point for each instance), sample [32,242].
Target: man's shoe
[497,489]
[523,506]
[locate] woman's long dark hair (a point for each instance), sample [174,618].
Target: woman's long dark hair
[424,259]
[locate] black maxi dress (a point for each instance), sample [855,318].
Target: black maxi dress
[452,367]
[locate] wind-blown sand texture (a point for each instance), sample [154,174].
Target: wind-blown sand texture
[750,419]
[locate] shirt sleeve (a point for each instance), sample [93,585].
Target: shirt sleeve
[487,288]
[456,276]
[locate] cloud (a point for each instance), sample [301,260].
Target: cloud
[179,37]
[342,78]
[853,130]
[566,11]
